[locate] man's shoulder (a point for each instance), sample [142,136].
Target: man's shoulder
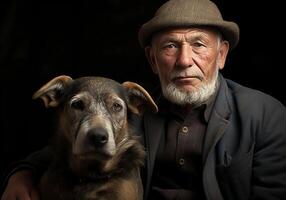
[252,99]
[249,94]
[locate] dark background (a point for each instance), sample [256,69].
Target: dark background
[42,39]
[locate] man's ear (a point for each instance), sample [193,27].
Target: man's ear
[139,98]
[223,51]
[50,92]
[149,53]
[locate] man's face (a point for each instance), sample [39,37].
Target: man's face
[187,61]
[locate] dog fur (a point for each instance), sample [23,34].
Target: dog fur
[96,153]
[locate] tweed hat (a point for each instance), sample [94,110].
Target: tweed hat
[188,13]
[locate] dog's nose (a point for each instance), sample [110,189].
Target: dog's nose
[97,137]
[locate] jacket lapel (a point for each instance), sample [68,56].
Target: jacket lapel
[154,127]
[215,130]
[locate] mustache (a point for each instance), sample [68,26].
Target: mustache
[186,74]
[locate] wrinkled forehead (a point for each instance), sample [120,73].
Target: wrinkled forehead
[195,31]
[98,87]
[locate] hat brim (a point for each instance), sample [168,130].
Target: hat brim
[229,30]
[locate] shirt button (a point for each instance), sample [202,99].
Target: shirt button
[184,129]
[182,161]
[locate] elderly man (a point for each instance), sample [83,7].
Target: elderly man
[212,138]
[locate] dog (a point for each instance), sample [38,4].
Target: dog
[97,155]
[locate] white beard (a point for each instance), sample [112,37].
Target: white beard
[195,98]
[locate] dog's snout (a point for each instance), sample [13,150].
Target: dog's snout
[97,137]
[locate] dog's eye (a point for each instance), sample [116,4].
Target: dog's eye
[77,104]
[116,107]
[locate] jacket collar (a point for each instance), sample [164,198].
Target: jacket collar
[219,118]
[215,130]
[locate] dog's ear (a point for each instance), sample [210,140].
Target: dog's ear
[51,91]
[139,98]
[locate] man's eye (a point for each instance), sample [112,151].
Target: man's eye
[198,44]
[170,46]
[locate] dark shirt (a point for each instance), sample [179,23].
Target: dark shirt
[178,167]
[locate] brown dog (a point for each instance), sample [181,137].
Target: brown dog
[97,156]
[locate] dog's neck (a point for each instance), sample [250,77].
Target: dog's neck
[99,177]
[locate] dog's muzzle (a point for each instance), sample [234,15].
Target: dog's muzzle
[97,137]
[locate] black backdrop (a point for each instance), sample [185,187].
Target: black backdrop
[43,39]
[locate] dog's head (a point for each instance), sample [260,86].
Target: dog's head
[93,112]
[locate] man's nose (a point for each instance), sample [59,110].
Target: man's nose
[184,57]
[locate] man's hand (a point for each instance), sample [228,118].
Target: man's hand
[21,186]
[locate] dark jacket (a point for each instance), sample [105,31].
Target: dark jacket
[244,151]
